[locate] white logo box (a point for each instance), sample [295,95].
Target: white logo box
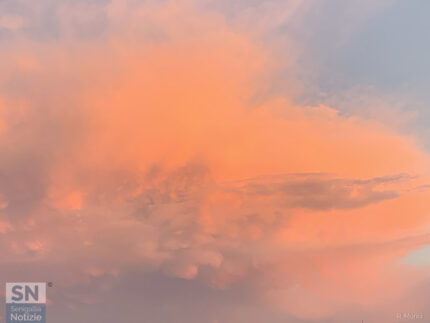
[25,293]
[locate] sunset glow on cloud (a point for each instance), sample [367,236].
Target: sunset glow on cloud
[153,156]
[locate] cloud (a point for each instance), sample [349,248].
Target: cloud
[11,22]
[320,191]
[152,147]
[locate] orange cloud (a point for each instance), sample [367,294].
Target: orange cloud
[154,147]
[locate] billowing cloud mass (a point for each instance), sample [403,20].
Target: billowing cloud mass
[157,145]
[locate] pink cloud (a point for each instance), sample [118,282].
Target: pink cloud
[148,148]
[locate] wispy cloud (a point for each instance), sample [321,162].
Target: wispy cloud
[142,148]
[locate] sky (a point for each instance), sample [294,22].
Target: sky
[214,161]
